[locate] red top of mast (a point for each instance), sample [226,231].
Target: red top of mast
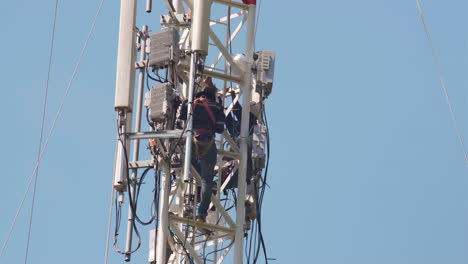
[250,2]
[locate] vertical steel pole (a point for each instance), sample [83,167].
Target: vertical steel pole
[163,226]
[189,121]
[141,85]
[163,223]
[136,146]
[199,48]
[179,9]
[244,137]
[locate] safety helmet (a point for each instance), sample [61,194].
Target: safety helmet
[209,90]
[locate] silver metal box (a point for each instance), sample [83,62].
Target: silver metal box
[163,47]
[159,102]
[265,71]
[259,141]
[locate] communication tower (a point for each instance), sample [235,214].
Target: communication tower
[193,40]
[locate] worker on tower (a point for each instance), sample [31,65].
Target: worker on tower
[208,119]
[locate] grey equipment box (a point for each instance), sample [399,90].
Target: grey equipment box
[265,71]
[159,102]
[163,47]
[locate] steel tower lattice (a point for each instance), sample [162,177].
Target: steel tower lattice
[192,41]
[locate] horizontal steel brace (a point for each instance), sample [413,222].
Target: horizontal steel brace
[202,224]
[224,2]
[140,164]
[229,154]
[217,75]
[154,134]
[211,242]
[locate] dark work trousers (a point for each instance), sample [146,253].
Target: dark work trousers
[205,167]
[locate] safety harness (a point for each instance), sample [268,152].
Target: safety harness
[203,131]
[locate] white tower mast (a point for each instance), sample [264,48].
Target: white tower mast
[247,90]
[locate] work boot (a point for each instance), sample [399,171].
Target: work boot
[202,219]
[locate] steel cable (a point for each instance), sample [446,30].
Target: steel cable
[59,111]
[442,81]
[36,175]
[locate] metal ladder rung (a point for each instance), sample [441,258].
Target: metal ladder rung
[163,134]
[192,222]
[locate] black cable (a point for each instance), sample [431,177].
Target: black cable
[157,74]
[221,249]
[153,78]
[250,242]
[203,254]
[183,246]
[140,182]
[147,80]
[157,188]
[262,193]
[172,151]
[150,123]
[234,196]
[217,222]
[178,243]
[118,216]
[156,195]
[254,232]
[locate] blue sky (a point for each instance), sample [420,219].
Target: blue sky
[365,167]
